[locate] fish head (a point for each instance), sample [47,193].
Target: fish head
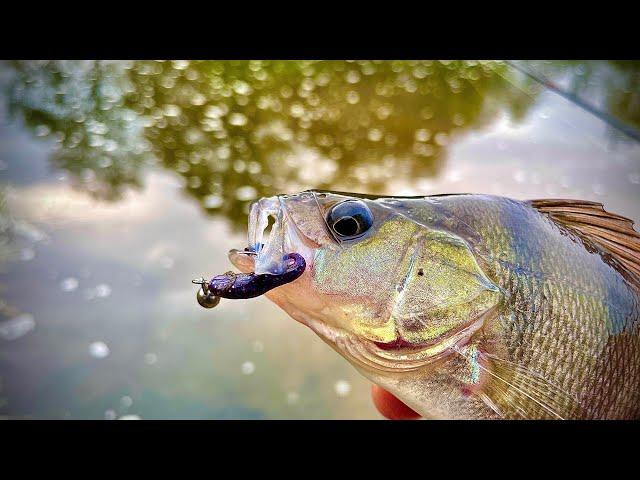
[389,293]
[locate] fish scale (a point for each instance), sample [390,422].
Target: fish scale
[539,346]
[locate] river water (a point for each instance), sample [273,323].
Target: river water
[122,181]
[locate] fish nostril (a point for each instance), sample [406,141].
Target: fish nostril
[271,220]
[266,234]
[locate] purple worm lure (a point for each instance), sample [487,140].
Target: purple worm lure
[247,285]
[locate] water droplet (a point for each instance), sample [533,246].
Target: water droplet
[27,254]
[257,346]
[180,64]
[212,201]
[126,401]
[172,110]
[422,135]
[110,146]
[215,111]
[167,262]
[150,358]
[194,182]
[110,415]
[634,178]
[99,350]
[17,326]
[353,76]
[426,113]
[384,112]
[246,193]
[198,99]
[296,110]
[374,135]
[242,88]
[223,152]
[103,290]
[342,388]
[105,162]
[69,284]
[238,119]
[442,139]
[286,91]
[423,149]
[420,72]
[254,168]
[130,417]
[42,131]
[248,368]
[353,97]
[292,398]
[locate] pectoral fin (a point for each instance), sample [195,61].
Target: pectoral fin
[512,391]
[522,393]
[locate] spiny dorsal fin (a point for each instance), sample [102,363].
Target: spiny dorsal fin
[612,232]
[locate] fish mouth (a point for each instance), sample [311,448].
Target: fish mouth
[275,256]
[272,235]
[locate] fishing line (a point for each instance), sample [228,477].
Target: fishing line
[605,117]
[590,137]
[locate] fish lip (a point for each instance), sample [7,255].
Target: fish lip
[246,263]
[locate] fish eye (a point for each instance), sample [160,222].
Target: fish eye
[350,219]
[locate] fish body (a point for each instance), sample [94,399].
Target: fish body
[468,306]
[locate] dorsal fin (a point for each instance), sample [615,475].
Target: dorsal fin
[613,233]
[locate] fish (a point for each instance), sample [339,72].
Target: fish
[463,306]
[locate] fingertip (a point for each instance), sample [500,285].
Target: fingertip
[390,406]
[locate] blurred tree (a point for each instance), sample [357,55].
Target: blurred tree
[238,130]
[80,104]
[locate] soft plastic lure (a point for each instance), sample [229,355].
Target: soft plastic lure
[248,285]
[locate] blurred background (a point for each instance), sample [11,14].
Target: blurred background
[122,181]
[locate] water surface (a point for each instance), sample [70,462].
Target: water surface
[122,181]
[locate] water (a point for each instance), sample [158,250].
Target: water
[122,181]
